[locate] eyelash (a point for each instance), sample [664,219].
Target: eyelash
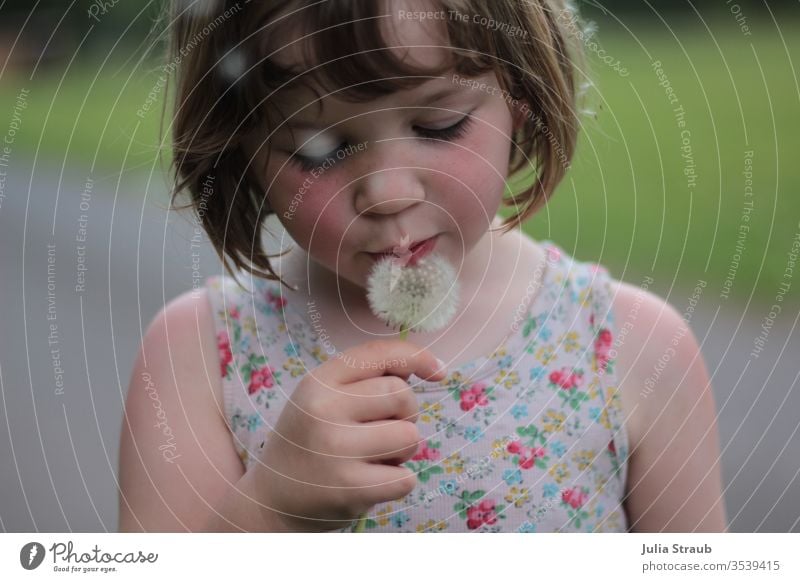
[452,133]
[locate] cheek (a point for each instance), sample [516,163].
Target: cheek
[472,185]
[313,210]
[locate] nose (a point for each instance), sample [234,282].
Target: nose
[389,191]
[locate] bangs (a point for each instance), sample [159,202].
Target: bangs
[344,52]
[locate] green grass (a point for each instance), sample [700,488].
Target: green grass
[624,203]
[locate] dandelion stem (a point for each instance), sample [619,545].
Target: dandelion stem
[403,332]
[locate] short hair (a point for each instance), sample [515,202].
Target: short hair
[535,58]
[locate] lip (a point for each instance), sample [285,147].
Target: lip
[418,250]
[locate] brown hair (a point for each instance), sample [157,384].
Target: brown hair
[215,111]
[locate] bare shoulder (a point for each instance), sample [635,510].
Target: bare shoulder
[674,478]
[176,453]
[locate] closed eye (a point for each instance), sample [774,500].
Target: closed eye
[451,133]
[455,131]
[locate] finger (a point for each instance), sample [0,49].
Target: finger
[387,441]
[381,357]
[387,397]
[382,483]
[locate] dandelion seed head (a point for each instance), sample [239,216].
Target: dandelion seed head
[422,297]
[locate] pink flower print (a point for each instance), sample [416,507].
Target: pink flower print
[575,497]
[553,254]
[426,453]
[612,447]
[234,312]
[602,348]
[566,379]
[260,378]
[528,458]
[475,395]
[514,447]
[557,376]
[275,300]
[225,355]
[482,513]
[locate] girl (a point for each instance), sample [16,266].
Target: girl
[285,404]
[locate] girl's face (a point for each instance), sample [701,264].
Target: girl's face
[364,176]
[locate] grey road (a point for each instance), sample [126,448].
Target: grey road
[87,259]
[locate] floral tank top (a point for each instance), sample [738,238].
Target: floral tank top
[527,439]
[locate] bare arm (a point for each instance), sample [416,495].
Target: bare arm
[179,470]
[674,473]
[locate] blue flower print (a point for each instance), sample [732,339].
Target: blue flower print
[511,476]
[253,422]
[594,413]
[537,372]
[527,527]
[599,511]
[519,411]
[550,490]
[505,362]
[291,349]
[473,433]
[400,518]
[244,344]
[558,448]
[448,486]
[545,333]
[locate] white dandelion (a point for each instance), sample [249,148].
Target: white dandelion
[421,297]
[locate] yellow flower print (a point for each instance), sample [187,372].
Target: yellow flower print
[592,389]
[610,523]
[559,472]
[431,526]
[584,458]
[569,341]
[499,353]
[553,421]
[545,354]
[585,297]
[508,378]
[295,367]
[499,450]
[319,354]
[454,464]
[604,420]
[518,497]
[431,412]
[244,456]
[454,380]
[249,324]
[383,515]
[281,328]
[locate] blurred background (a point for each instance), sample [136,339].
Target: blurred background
[687,173]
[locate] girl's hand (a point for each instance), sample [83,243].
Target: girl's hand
[336,448]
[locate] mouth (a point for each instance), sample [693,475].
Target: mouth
[418,250]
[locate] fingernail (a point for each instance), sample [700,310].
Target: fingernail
[441,365]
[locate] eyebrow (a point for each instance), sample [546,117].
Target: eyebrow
[434,97]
